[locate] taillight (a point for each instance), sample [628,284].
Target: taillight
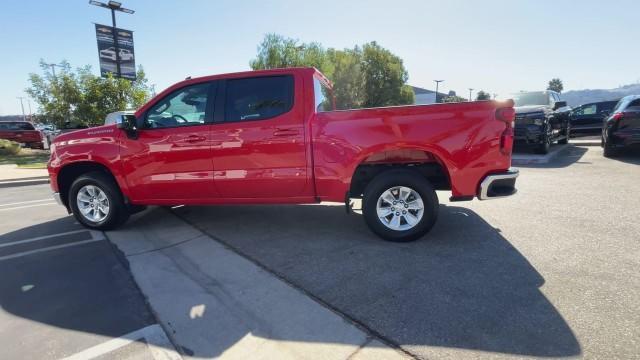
[617,116]
[508,115]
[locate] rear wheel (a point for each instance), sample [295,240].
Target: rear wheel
[608,150]
[400,205]
[96,201]
[567,134]
[544,147]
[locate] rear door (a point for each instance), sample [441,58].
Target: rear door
[258,143]
[586,117]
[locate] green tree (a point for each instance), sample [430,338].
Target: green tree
[555,84]
[385,78]
[482,95]
[78,97]
[362,76]
[453,98]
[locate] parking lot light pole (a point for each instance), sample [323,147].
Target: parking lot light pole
[437,83]
[114,6]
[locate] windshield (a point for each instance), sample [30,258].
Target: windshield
[530,98]
[16,126]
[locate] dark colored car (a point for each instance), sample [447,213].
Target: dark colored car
[541,119]
[621,129]
[587,119]
[24,133]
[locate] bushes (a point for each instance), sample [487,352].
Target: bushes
[9,147]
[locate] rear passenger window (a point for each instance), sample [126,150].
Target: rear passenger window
[258,98]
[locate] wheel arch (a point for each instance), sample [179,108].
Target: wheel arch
[426,161]
[70,172]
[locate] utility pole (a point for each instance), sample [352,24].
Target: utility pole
[24,117]
[30,114]
[437,83]
[114,6]
[470,91]
[53,68]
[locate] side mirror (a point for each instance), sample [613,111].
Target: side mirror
[129,123]
[559,104]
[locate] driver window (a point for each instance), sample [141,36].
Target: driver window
[184,107]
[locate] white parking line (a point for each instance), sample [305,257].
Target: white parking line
[55,247]
[157,342]
[28,206]
[26,202]
[41,238]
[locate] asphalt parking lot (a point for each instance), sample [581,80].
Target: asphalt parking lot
[64,291]
[550,272]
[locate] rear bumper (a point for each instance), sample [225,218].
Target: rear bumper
[498,185]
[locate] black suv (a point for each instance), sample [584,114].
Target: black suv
[541,119]
[622,128]
[587,119]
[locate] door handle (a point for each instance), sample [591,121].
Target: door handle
[285,132]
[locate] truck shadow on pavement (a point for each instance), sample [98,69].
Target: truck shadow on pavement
[565,157]
[463,286]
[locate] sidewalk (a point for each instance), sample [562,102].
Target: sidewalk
[216,303]
[12,175]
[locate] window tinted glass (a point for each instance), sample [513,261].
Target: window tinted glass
[322,95]
[258,98]
[589,109]
[606,106]
[634,103]
[184,107]
[16,126]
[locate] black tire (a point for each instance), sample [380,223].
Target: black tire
[545,146]
[406,178]
[118,211]
[567,134]
[609,151]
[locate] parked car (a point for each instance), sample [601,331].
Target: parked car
[621,129]
[110,53]
[272,137]
[50,131]
[24,133]
[542,118]
[587,119]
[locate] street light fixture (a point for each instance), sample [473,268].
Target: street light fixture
[114,6]
[437,83]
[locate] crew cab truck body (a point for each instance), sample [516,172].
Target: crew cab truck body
[271,137]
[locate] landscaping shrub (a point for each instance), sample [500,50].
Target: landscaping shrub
[8,147]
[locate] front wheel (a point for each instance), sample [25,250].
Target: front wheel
[96,201]
[400,205]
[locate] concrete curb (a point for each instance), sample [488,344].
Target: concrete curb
[216,303]
[39,180]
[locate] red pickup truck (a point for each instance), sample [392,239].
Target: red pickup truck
[273,137]
[22,132]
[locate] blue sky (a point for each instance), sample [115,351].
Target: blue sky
[498,46]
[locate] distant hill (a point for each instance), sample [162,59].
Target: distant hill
[11,118]
[579,97]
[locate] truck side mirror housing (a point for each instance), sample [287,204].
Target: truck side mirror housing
[129,123]
[559,104]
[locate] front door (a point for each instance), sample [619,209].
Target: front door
[170,161]
[258,146]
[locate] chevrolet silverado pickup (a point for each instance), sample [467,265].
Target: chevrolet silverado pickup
[274,137]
